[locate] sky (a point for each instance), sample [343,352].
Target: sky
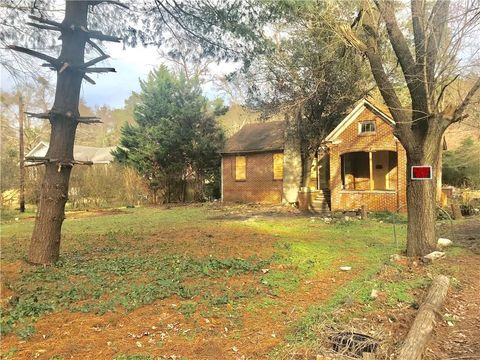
[131,64]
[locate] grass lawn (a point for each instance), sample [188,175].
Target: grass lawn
[190,281]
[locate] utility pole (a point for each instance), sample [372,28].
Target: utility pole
[21,116]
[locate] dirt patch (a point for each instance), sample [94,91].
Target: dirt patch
[160,329]
[9,273]
[458,335]
[80,214]
[217,240]
[252,211]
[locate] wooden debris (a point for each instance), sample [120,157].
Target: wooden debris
[419,334]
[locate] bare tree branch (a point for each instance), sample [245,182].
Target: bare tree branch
[89,79]
[44,27]
[98,70]
[36,54]
[414,77]
[48,22]
[96,47]
[418,14]
[96,60]
[437,22]
[118,3]
[384,84]
[457,114]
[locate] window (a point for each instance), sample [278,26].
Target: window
[367,127]
[277,166]
[240,168]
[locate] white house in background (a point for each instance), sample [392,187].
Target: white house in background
[96,155]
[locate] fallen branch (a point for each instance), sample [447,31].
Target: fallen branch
[419,334]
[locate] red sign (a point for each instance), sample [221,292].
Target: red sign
[421,172]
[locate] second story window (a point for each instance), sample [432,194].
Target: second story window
[367,127]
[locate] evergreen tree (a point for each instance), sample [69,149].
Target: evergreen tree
[175,138]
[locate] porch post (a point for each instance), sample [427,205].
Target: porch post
[370,163]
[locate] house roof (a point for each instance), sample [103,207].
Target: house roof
[257,137]
[96,155]
[380,110]
[269,136]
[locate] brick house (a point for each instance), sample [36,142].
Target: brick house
[360,163]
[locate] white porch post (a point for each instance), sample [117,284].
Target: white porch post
[370,163]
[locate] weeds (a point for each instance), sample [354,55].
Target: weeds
[103,285]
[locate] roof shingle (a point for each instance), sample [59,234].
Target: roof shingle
[257,137]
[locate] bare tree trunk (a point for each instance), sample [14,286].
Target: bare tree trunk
[421,200]
[21,144]
[307,161]
[45,243]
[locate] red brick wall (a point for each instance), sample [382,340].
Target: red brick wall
[259,185]
[351,141]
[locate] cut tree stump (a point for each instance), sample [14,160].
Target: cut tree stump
[456,211]
[363,212]
[419,334]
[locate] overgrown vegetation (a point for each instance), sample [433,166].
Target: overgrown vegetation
[461,166]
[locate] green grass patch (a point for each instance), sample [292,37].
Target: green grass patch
[134,357]
[260,304]
[389,217]
[188,308]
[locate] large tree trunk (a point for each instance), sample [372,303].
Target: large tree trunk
[307,161]
[21,144]
[45,243]
[421,201]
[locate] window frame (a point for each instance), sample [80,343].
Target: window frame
[361,125]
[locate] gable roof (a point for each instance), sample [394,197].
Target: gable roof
[96,155]
[257,137]
[363,104]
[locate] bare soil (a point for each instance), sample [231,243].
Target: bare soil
[160,330]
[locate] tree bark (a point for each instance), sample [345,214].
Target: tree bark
[419,334]
[21,144]
[421,201]
[45,242]
[307,162]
